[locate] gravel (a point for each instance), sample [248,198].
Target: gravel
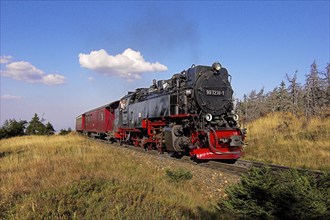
[212,182]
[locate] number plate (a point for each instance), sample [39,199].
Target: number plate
[214,92]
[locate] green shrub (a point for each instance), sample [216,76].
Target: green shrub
[65,132]
[178,175]
[78,200]
[291,194]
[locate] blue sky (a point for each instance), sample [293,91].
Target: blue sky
[62,58]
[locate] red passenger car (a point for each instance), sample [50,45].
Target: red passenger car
[80,123]
[98,122]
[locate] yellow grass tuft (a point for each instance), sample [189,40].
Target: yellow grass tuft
[75,177]
[285,139]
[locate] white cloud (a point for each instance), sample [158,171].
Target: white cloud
[25,71]
[130,64]
[5,59]
[91,78]
[52,79]
[10,97]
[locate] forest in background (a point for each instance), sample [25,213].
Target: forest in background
[289,125]
[312,99]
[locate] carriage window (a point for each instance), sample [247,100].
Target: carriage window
[88,117]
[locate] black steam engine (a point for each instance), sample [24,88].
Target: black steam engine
[191,113]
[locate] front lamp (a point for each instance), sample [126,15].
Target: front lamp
[208,117]
[216,66]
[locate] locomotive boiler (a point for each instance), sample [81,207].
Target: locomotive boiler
[188,114]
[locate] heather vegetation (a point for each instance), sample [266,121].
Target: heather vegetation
[291,124]
[288,195]
[288,126]
[72,177]
[290,140]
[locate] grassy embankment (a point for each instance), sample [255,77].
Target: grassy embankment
[74,177]
[289,140]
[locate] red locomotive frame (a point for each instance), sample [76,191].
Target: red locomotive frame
[92,123]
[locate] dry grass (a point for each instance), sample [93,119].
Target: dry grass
[285,139]
[74,177]
[71,177]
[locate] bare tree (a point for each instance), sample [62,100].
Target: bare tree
[294,91]
[313,92]
[283,97]
[327,84]
[272,100]
[313,98]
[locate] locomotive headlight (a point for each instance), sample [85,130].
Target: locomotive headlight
[208,117]
[235,117]
[216,66]
[188,92]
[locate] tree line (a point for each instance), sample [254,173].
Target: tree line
[310,99]
[12,128]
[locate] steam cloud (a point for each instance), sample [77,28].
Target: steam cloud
[166,31]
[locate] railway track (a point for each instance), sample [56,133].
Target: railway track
[276,168]
[239,167]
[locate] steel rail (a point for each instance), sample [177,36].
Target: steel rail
[239,167]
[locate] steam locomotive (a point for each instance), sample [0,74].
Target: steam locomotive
[189,114]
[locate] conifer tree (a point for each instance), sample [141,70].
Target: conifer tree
[12,128]
[271,100]
[283,97]
[49,129]
[327,84]
[313,92]
[294,91]
[36,127]
[313,98]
